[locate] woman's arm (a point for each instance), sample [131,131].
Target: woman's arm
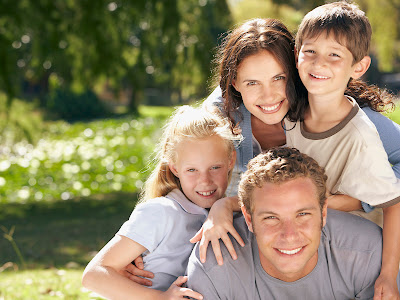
[102,275]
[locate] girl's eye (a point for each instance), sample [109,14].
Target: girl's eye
[215,167]
[191,170]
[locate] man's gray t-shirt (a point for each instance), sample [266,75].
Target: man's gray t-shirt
[349,261]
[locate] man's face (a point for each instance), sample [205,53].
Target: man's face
[287,222]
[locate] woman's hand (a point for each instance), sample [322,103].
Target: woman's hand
[176,291]
[135,272]
[217,226]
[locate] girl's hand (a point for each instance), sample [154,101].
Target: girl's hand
[136,269]
[217,226]
[386,289]
[176,291]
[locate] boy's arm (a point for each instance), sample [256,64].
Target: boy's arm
[386,284]
[343,202]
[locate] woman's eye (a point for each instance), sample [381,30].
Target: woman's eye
[281,77]
[251,83]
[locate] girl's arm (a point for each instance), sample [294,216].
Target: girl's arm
[102,275]
[217,226]
[386,285]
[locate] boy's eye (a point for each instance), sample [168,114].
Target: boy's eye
[335,55]
[309,51]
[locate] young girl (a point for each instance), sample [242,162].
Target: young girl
[195,160]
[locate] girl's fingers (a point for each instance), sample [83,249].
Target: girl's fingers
[138,272]
[190,293]
[236,235]
[217,252]
[203,249]
[197,237]
[228,244]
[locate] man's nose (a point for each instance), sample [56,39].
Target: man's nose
[289,230]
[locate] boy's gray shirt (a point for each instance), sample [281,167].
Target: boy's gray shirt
[349,261]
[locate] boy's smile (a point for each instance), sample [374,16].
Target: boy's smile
[325,66]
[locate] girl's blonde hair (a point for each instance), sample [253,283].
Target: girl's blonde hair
[187,122]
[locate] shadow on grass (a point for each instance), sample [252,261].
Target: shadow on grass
[63,233]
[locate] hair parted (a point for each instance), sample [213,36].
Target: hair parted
[348,24]
[352,29]
[187,122]
[280,165]
[248,39]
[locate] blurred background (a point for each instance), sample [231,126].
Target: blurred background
[85,87]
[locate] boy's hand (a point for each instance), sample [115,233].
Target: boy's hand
[176,291]
[217,226]
[136,269]
[386,289]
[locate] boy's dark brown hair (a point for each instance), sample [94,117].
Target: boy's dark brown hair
[351,28]
[348,24]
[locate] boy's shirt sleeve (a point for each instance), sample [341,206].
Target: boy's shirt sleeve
[370,178]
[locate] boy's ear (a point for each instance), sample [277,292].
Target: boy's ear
[361,67]
[173,169]
[296,56]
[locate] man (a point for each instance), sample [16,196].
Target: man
[295,248]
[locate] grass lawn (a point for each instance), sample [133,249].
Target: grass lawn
[64,236]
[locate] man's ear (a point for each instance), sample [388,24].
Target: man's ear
[361,67]
[324,212]
[173,169]
[247,218]
[233,160]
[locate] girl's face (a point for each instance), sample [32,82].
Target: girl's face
[261,81]
[202,166]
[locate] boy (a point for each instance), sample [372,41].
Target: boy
[332,44]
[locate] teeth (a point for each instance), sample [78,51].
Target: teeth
[207,193]
[319,77]
[290,252]
[270,108]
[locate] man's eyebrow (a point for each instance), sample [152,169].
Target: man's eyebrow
[270,212]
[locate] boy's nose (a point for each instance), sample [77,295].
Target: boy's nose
[319,61]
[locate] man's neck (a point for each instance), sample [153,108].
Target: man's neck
[325,112]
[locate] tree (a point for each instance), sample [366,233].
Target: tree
[78,43]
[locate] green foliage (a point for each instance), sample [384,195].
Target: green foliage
[72,106]
[79,160]
[133,44]
[20,121]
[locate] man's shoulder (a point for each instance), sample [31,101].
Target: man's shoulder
[348,231]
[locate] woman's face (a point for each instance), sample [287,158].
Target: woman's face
[261,81]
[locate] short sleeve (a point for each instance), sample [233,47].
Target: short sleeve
[370,178]
[147,225]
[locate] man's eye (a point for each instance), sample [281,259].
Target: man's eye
[304,214]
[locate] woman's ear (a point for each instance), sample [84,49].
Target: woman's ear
[361,67]
[173,169]
[234,85]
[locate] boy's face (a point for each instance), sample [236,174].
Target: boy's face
[325,66]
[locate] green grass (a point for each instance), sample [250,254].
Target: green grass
[395,115]
[43,284]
